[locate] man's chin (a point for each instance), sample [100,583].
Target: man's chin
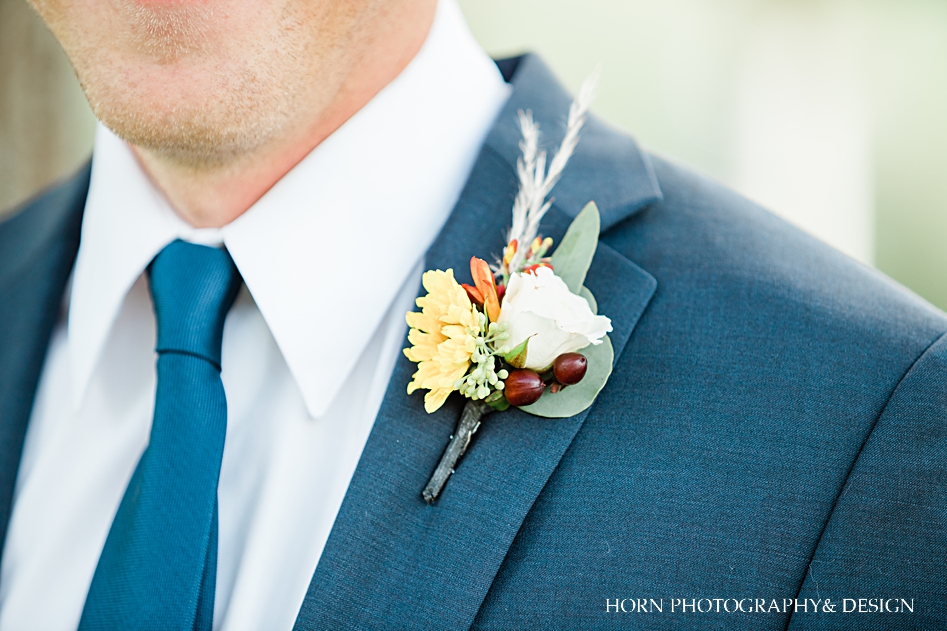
[191,142]
[207,123]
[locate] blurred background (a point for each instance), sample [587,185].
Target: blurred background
[832,113]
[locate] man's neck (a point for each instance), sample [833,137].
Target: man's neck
[211,196]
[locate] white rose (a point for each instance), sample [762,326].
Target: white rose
[539,306]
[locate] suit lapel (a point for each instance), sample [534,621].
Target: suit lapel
[391,560]
[37,249]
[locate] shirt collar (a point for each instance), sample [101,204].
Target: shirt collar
[325,251]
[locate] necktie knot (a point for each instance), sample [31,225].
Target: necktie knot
[193,287]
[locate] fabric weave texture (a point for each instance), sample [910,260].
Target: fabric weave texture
[159,566]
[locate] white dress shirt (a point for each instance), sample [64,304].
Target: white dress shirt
[331,259]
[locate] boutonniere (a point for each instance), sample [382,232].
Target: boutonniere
[526,333]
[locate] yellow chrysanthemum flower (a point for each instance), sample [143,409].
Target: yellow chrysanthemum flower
[443,337]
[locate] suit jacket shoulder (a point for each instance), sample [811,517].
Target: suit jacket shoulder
[737,269]
[774,429]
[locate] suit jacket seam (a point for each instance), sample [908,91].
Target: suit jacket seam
[851,467]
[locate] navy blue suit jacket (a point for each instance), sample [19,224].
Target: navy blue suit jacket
[774,428]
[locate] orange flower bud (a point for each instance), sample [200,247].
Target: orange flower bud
[474,294]
[486,285]
[535,245]
[510,252]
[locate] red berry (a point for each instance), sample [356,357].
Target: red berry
[569,368]
[523,387]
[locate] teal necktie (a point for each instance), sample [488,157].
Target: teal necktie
[158,568]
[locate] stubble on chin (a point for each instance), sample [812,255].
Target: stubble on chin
[178,87]
[220,127]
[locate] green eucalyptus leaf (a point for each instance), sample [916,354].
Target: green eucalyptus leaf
[589,298]
[573,399]
[497,401]
[494,396]
[572,258]
[517,357]
[500,404]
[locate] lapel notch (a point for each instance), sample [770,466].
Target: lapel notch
[607,166]
[394,562]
